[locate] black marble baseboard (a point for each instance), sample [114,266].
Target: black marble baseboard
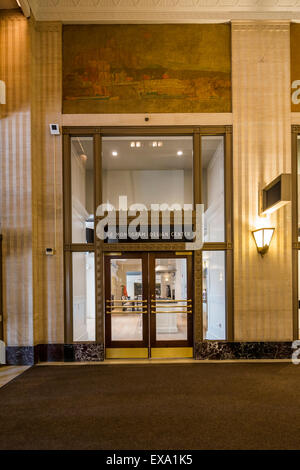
[220,350]
[20,355]
[210,350]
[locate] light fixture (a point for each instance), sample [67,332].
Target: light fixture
[179,153]
[154,143]
[83,157]
[138,144]
[132,144]
[114,153]
[160,144]
[263,237]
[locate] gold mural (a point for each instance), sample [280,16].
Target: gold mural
[295,67]
[146,68]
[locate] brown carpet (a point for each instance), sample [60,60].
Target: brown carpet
[174,406]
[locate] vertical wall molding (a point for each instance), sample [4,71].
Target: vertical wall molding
[262,150]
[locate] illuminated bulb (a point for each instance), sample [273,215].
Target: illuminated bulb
[179,153]
[154,144]
[138,144]
[114,153]
[160,144]
[83,157]
[132,144]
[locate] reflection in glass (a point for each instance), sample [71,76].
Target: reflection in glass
[171,297]
[82,182]
[148,170]
[212,157]
[126,300]
[83,265]
[213,295]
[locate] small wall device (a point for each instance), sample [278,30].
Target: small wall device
[54,129]
[49,251]
[276,194]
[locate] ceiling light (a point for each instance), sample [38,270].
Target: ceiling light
[132,144]
[154,144]
[83,157]
[179,153]
[138,144]
[160,144]
[114,153]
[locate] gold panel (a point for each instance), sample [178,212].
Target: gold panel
[171,352]
[126,353]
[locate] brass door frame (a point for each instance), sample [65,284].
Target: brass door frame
[99,248]
[295,242]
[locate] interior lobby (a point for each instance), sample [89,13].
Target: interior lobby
[121,122]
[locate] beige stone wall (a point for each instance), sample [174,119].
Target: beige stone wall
[262,150]
[16,193]
[31,198]
[47,215]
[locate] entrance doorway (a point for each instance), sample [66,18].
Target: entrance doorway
[148,305]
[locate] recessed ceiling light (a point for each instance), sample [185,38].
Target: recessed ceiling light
[138,144]
[154,144]
[179,153]
[160,144]
[114,153]
[132,144]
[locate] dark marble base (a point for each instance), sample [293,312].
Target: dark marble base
[20,355]
[213,350]
[243,350]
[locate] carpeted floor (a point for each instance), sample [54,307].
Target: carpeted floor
[173,406]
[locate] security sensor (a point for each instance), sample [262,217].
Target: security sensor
[54,129]
[49,251]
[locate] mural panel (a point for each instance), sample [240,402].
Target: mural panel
[146,68]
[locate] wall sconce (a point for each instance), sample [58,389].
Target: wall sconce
[263,237]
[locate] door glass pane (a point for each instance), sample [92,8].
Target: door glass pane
[171,297]
[82,181]
[83,265]
[148,170]
[126,300]
[214,304]
[212,157]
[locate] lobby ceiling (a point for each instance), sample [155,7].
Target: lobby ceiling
[162,11]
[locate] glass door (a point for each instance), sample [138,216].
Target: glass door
[126,304]
[171,305]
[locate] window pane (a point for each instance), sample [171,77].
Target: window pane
[298,166]
[126,296]
[82,180]
[171,297]
[84,327]
[214,297]
[212,157]
[148,170]
[298,294]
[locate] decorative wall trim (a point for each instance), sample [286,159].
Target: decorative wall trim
[243,350]
[168,11]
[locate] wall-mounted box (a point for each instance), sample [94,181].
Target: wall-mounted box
[276,194]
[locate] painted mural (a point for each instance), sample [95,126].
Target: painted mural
[295,67]
[146,68]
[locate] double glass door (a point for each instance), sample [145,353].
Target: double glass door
[148,305]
